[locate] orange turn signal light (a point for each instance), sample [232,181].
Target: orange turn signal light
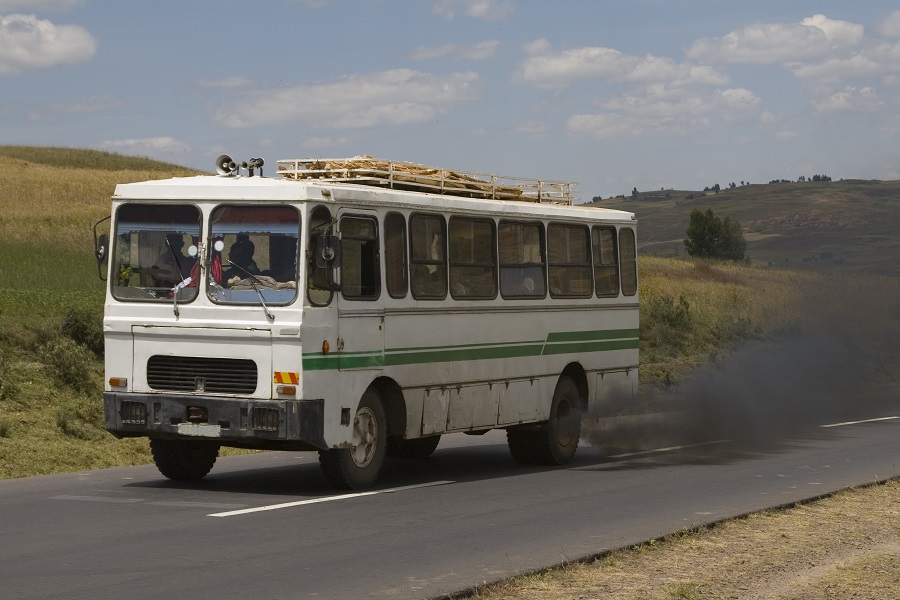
[326,347]
[118,381]
[286,389]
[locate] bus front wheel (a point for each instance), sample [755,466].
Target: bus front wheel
[357,467]
[184,460]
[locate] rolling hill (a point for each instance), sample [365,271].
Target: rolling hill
[848,224]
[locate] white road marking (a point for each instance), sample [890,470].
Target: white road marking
[858,422]
[669,449]
[245,511]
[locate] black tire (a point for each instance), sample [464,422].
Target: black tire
[522,445]
[555,442]
[184,460]
[417,448]
[357,467]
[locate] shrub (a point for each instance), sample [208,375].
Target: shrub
[72,364]
[79,422]
[710,237]
[85,326]
[665,323]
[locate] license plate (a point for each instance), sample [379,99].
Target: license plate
[199,429]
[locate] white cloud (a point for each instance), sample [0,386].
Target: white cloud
[814,38]
[532,128]
[849,100]
[53,110]
[491,10]
[661,110]
[479,51]
[545,68]
[890,27]
[395,97]
[27,43]
[786,135]
[155,147]
[234,81]
[840,69]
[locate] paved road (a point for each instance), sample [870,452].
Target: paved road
[267,526]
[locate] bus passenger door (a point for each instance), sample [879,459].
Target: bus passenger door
[360,313]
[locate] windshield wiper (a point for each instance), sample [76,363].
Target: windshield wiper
[183,283]
[253,281]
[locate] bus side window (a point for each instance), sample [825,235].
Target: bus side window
[522,268]
[606,264]
[395,255]
[628,258]
[318,287]
[360,273]
[570,261]
[473,263]
[428,241]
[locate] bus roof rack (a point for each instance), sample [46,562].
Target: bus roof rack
[393,174]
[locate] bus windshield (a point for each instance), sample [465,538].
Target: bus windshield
[155,253]
[253,254]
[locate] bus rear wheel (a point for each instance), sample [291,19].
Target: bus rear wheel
[357,467]
[555,442]
[184,460]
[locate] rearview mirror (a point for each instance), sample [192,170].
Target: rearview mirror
[101,249]
[328,252]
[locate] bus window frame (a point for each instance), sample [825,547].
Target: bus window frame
[632,270]
[542,235]
[440,262]
[377,258]
[115,254]
[596,254]
[551,265]
[402,247]
[311,268]
[210,235]
[460,265]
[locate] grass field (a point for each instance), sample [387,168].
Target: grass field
[694,315]
[51,307]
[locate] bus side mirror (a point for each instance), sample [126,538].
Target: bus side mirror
[102,250]
[328,252]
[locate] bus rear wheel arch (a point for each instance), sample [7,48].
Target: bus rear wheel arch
[357,466]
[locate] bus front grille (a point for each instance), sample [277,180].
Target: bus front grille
[200,374]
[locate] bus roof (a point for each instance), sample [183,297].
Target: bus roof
[234,188]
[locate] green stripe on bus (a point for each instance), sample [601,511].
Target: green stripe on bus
[556,343]
[581,336]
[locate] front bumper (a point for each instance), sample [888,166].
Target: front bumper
[262,424]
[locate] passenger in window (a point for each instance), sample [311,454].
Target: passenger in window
[240,256]
[526,288]
[172,266]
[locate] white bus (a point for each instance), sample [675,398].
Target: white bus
[362,308]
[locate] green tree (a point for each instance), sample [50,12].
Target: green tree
[711,237]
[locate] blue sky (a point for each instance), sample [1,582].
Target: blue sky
[614,94]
